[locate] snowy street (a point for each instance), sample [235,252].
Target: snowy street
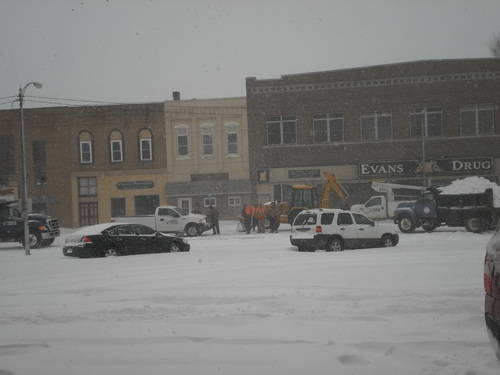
[249,304]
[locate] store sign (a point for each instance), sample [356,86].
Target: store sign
[303,173]
[132,185]
[413,168]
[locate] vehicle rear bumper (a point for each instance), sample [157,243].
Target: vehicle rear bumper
[79,251]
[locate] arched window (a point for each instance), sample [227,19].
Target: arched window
[85,147]
[145,145]
[116,146]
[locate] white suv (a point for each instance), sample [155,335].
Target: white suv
[335,229]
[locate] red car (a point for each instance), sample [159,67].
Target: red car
[492,289]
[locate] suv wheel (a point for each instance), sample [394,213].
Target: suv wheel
[406,224]
[335,244]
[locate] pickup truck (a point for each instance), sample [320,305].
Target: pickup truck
[43,229]
[169,219]
[378,207]
[476,212]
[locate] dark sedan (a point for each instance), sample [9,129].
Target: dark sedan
[120,239]
[492,289]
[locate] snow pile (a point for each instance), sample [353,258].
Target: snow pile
[473,185]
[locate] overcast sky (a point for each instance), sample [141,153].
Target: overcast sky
[142,50]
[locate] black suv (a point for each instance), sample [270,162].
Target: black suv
[492,289]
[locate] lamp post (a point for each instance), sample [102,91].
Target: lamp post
[22,90]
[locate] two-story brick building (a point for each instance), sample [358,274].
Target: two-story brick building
[375,123]
[87,164]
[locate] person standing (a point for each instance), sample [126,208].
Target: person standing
[260,217]
[274,217]
[213,218]
[247,214]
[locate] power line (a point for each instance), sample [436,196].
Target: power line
[74,100]
[6,97]
[51,102]
[9,102]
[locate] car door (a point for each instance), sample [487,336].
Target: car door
[145,239]
[168,220]
[303,225]
[367,231]
[347,229]
[126,240]
[375,208]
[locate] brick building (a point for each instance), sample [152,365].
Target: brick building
[375,123]
[86,164]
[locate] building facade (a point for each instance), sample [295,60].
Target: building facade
[87,164]
[414,123]
[207,154]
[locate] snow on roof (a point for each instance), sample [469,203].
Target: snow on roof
[472,185]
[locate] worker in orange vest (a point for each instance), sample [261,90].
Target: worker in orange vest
[248,213]
[260,216]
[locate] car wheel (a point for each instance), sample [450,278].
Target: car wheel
[387,240]
[406,224]
[110,253]
[335,244]
[474,224]
[34,240]
[192,230]
[429,226]
[174,248]
[301,248]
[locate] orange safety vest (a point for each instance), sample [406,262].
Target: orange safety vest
[259,212]
[249,210]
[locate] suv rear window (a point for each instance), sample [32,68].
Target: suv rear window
[327,219]
[305,219]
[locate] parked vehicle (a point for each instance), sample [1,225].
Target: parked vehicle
[170,219]
[335,230]
[492,290]
[120,239]
[475,212]
[383,206]
[43,229]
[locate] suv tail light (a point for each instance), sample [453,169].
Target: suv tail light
[318,229]
[87,239]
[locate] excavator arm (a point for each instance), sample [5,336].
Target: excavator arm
[333,185]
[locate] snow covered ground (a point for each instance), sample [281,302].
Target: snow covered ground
[249,304]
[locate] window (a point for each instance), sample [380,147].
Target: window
[85,148]
[209,201]
[232,139]
[207,134]
[39,162]
[234,201]
[87,186]
[143,230]
[116,144]
[282,192]
[376,126]
[429,119]
[363,220]
[117,207]
[344,219]
[7,161]
[182,141]
[374,202]
[146,204]
[327,219]
[168,212]
[281,130]
[145,145]
[328,128]
[305,219]
[477,119]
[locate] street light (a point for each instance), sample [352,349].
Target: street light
[23,162]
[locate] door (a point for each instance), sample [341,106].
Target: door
[347,229]
[124,240]
[168,220]
[185,204]
[145,239]
[366,230]
[375,208]
[88,213]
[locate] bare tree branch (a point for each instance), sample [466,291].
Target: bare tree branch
[495,45]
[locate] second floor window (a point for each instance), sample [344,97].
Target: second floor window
[477,119]
[328,128]
[376,126]
[145,145]
[281,130]
[428,119]
[232,139]
[85,147]
[116,146]
[207,134]
[182,141]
